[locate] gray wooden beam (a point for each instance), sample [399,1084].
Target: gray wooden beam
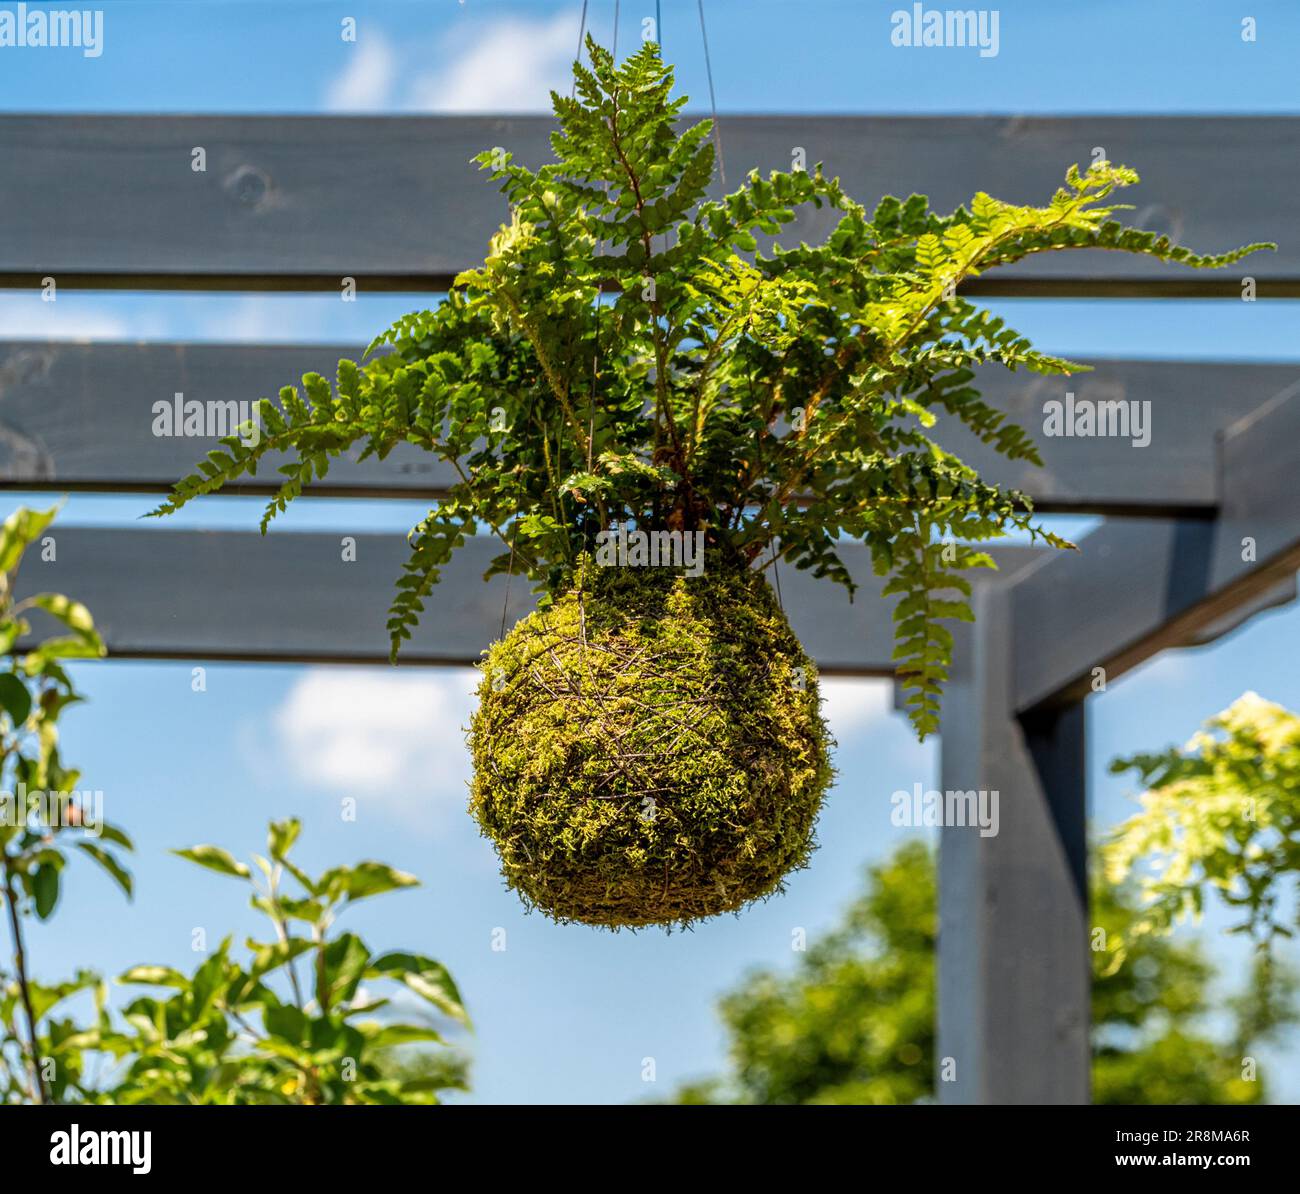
[1013,965]
[1176,473]
[1137,587]
[79,416]
[290,597]
[298,202]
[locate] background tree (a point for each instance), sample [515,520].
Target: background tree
[44,818]
[854,1021]
[306,1017]
[1221,817]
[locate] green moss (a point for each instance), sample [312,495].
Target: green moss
[650,749]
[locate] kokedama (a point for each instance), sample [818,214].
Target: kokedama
[627,365]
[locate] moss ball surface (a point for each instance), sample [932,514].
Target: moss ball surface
[649,749]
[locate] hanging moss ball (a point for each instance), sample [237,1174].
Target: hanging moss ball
[649,749]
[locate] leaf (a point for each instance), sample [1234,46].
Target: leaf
[284,908]
[439,990]
[364,880]
[63,647]
[15,698]
[19,530]
[11,630]
[72,614]
[45,889]
[46,997]
[110,833]
[343,962]
[427,978]
[270,957]
[281,837]
[215,859]
[120,875]
[209,980]
[391,1035]
[155,976]
[288,1023]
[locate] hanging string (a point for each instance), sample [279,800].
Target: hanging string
[776,573]
[595,363]
[591,406]
[505,605]
[600,291]
[659,28]
[713,101]
[582,31]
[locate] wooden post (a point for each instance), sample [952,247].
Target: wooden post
[1013,910]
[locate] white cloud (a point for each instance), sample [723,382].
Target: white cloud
[256,318]
[366,82]
[272,318]
[511,66]
[25,316]
[392,737]
[250,318]
[853,705]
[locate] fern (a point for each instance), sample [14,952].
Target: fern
[625,352]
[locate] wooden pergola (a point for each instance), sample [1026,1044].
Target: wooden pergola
[1202,526]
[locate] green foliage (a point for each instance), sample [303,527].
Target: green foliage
[235,1031]
[650,749]
[305,1017]
[66,1073]
[626,353]
[254,1031]
[44,816]
[1150,998]
[1220,815]
[854,1022]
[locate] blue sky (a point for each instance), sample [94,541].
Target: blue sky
[569,1014]
[768,55]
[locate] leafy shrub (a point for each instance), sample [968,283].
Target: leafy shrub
[43,817]
[227,1035]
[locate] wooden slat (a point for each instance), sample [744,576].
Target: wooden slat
[289,597]
[1138,587]
[1175,474]
[1013,967]
[298,202]
[80,417]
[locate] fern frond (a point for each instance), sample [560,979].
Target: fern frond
[631,350]
[433,542]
